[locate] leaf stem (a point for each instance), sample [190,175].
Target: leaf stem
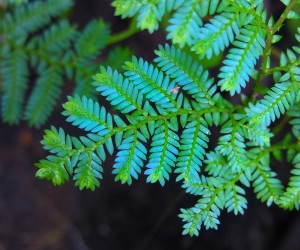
[123,35]
[268,48]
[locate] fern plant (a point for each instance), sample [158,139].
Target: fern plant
[164,111]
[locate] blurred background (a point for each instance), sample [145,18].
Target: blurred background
[36,215]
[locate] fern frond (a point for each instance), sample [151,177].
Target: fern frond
[184,24]
[14,73]
[130,157]
[120,92]
[30,17]
[44,95]
[267,188]
[295,122]
[149,12]
[193,143]
[215,36]
[232,145]
[273,105]
[27,31]
[56,39]
[188,75]
[163,152]
[154,85]
[117,56]
[235,200]
[290,199]
[88,115]
[240,61]
[92,40]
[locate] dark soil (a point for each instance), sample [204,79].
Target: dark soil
[36,215]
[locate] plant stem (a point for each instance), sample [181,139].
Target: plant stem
[273,30]
[130,31]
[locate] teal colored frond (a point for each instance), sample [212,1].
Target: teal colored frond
[130,157]
[32,16]
[241,60]
[153,84]
[260,136]
[44,95]
[273,105]
[185,23]
[232,145]
[215,36]
[163,152]
[217,165]
[206,212]
[121,93]
[267,187]
[188,75]
[290,199]
[192,148]
[14,73]
[88,115]
[235,200]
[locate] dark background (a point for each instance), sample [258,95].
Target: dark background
[36,215]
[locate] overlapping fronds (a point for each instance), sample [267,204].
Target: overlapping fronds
[32,41]
[236,23]
[164,113]
[167,111]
